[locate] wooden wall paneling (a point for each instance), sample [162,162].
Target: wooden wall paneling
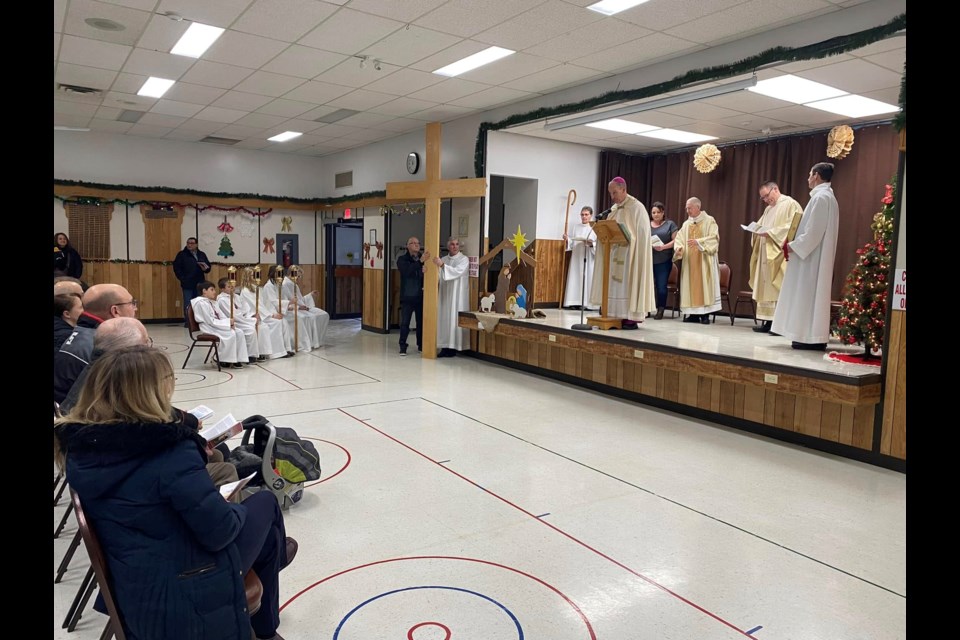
[649,379]
[846,424]
[715,397]
[785,404]
[704,392]
[728,397]
[893,440]
[808,416]
[671,385]
[830,421]
[688,388]
[373,281]
[549,255]
[863,420]
[739,400]
[769,406]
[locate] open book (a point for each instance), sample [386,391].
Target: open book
[232,488]
[226,428]
[754,227]
[655,241]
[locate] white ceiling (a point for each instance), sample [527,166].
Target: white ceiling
[283,63]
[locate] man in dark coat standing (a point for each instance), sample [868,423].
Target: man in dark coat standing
[410,266]
[190,266]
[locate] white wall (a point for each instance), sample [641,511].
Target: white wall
[467,208]
[128,160]
[557,166]
[520,207]
[403,226]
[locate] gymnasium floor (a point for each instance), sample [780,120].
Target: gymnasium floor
[465,501]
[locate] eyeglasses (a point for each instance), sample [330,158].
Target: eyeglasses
[764,196]
[134,302]
[150,341]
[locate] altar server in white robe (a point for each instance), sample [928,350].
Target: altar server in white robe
[581,242]
[803,310]
[308,310]
[271,328]
[307,329]
[454,297]
[631,265]
[232,349]
[243,318]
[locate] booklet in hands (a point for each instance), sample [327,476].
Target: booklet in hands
[226,428]
[232,488]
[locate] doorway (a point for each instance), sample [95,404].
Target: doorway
[513,202]
[344,269]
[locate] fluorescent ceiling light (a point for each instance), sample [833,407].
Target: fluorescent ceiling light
[669,101]
[795,89]
[610,7]
[491,54]
[58,127]
[623,126]
[155,87]
[675,135]
[196,40]
[286,135]
[853,106]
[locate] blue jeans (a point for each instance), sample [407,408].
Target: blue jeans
[661,273]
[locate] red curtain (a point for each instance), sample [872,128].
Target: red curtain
[730,192]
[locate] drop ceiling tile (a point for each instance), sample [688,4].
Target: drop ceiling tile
[803,65]
[284,20]
[244,50]
[313,114]
[128,83]
[468,17]
[269,84]
[890,95]
[798,114]
[161,120]
[148,130]
[241,100]
[158,64]
[74,108]
[853,76]
[555,78]
[239,131]
[107,113]
[401,125]
[349,73]
[441,113]
[335,130]
[700,111]
[299,124]
[541,23]
[449,90]
[59,14]
[133,20]
[747,18]
[128,101]
[317,92]
[349,32]
[260,120]
[286,108]
[215,74]
[633,54]
[253,144]
[405,81]
[892,60]
[403,107]
[186,136]
[193,93]
[204,127]
[303,62]
[93,53]
[218,13]
[888,44]
[449,55]
[410,44]
[84,76]
[361,100]
[587,39]
[404,11]
[365,120]
[143,5]
[492,97]
[176,108]
[508,69]
[68,120]
[111,126]
[162,33]
[219,114]
[663,15]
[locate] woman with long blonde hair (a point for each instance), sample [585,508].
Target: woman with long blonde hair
[176,551]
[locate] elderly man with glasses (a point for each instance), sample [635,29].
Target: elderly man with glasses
[100,303]
[767,265]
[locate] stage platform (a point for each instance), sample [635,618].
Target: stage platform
[721,373]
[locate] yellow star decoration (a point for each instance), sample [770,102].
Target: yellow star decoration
[518,241]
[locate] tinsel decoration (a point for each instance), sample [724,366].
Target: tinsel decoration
[863,309]
[706,158]
[839,142]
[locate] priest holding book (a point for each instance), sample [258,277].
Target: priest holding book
[767,265]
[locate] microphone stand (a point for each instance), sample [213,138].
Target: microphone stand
[583,289]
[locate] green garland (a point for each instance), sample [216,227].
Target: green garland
[319,202]
[900,121]
[831,47]
[165,263]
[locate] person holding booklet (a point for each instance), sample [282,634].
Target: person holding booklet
[177,552]
[767,264]
[582,245]
[663,232]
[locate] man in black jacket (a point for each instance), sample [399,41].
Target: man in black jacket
[410,266]
[190,266]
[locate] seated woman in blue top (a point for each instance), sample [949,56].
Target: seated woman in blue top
[176,551]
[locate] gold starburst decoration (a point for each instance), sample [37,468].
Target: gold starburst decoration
[839,142]
[519,241]
[706,158]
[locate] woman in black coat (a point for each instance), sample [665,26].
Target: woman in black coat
[66,259]
[176,550]
[67,307]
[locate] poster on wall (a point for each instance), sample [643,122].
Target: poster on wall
[288,249]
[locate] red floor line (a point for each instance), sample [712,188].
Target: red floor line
[557,529]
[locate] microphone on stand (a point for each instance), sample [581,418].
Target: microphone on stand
[603,214]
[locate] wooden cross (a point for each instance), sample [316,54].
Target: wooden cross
[431,191]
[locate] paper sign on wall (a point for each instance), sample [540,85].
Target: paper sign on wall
[900,290]
[474,266]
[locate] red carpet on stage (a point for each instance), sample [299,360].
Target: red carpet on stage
[853,359]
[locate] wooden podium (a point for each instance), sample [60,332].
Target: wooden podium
[608,233]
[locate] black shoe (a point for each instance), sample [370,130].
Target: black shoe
[403,350]
[810,346]
[251,359]
[628,325]
[764,327]
[447,353]
[691,318]
[290,354]
[771,333]
[238,365]
[261,358]
[659,315]
[704,319]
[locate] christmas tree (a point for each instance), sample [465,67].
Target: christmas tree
[864,306]
[226,249]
